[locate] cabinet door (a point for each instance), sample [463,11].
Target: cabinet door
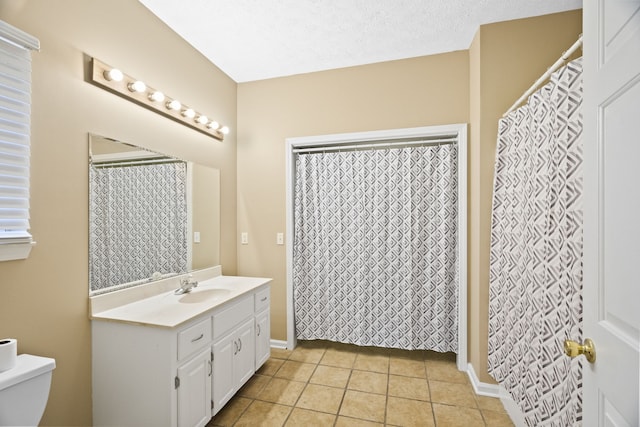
[194,392]
[245,360]
[263,338]
[223,383]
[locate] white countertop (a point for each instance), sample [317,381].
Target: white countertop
[165,309]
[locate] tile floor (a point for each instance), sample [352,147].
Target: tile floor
[328,384]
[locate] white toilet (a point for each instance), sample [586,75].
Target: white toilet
[24,390]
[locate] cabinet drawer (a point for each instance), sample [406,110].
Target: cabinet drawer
[194,338]
[229,317]
[263,299]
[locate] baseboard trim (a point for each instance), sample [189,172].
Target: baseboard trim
[278,344]
[482,389]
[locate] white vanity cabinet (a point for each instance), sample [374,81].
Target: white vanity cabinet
[153,374]
[263,327]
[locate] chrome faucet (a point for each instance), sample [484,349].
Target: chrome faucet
[186,284]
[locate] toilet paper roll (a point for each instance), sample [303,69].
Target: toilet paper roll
[8,353]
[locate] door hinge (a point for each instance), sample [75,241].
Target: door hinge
[177,382]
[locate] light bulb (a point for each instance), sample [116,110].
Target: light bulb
[137,86]
[113,75]
[224,130]
[189,113]
[157,96]
[202,120]
[174,105]
[213,125]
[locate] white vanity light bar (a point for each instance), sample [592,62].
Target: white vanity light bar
[135,90]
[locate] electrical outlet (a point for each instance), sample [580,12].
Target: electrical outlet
[244,238]
[280,239]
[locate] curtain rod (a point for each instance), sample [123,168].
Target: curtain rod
[378,145]
[546,75]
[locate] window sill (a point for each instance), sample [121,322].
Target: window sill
[15,251]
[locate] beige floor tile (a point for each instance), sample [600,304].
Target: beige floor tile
[282,391]
[305,418]
[338,357]
[452,394]
[444,370]
[254,386]
[366,406]
[280,353]
[264,414]
[369,382]
[372,362]
[408,412]
[270,367]
[408,387]
[230,413]
[354,422]
[321,398]
[407,367]
[490,403]
[296,371]
[307,354]
[331,376]
[457,416]
[496,419]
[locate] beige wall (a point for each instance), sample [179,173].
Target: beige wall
[474,86]
[43,300]
[399,94]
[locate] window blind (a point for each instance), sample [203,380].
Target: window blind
[15,124]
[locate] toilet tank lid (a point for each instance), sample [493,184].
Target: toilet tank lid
[27,366]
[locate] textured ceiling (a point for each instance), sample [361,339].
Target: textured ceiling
[259,39]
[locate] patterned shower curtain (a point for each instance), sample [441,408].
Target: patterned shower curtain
[138,222]
[375,247]
[536,253]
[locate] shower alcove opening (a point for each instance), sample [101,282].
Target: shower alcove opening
[431,135]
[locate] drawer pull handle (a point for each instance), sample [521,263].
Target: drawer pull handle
[235,346]
[258,325]
[198,338]
[240,341]
[263,299]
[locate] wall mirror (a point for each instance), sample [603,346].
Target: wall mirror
[151,215]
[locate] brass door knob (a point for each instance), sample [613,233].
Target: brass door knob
[574,349]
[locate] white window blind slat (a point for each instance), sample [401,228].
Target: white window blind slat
[14,138]
[15,130]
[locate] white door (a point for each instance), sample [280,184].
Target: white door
[263,338]
[244,364]
[194,392]
[612,210]
[224,351]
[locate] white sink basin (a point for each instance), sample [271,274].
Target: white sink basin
[202,295]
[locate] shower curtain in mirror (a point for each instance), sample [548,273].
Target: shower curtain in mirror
[375,247]
[138,222]
[536,253]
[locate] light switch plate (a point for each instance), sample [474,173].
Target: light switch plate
[280,239]
[244,238]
